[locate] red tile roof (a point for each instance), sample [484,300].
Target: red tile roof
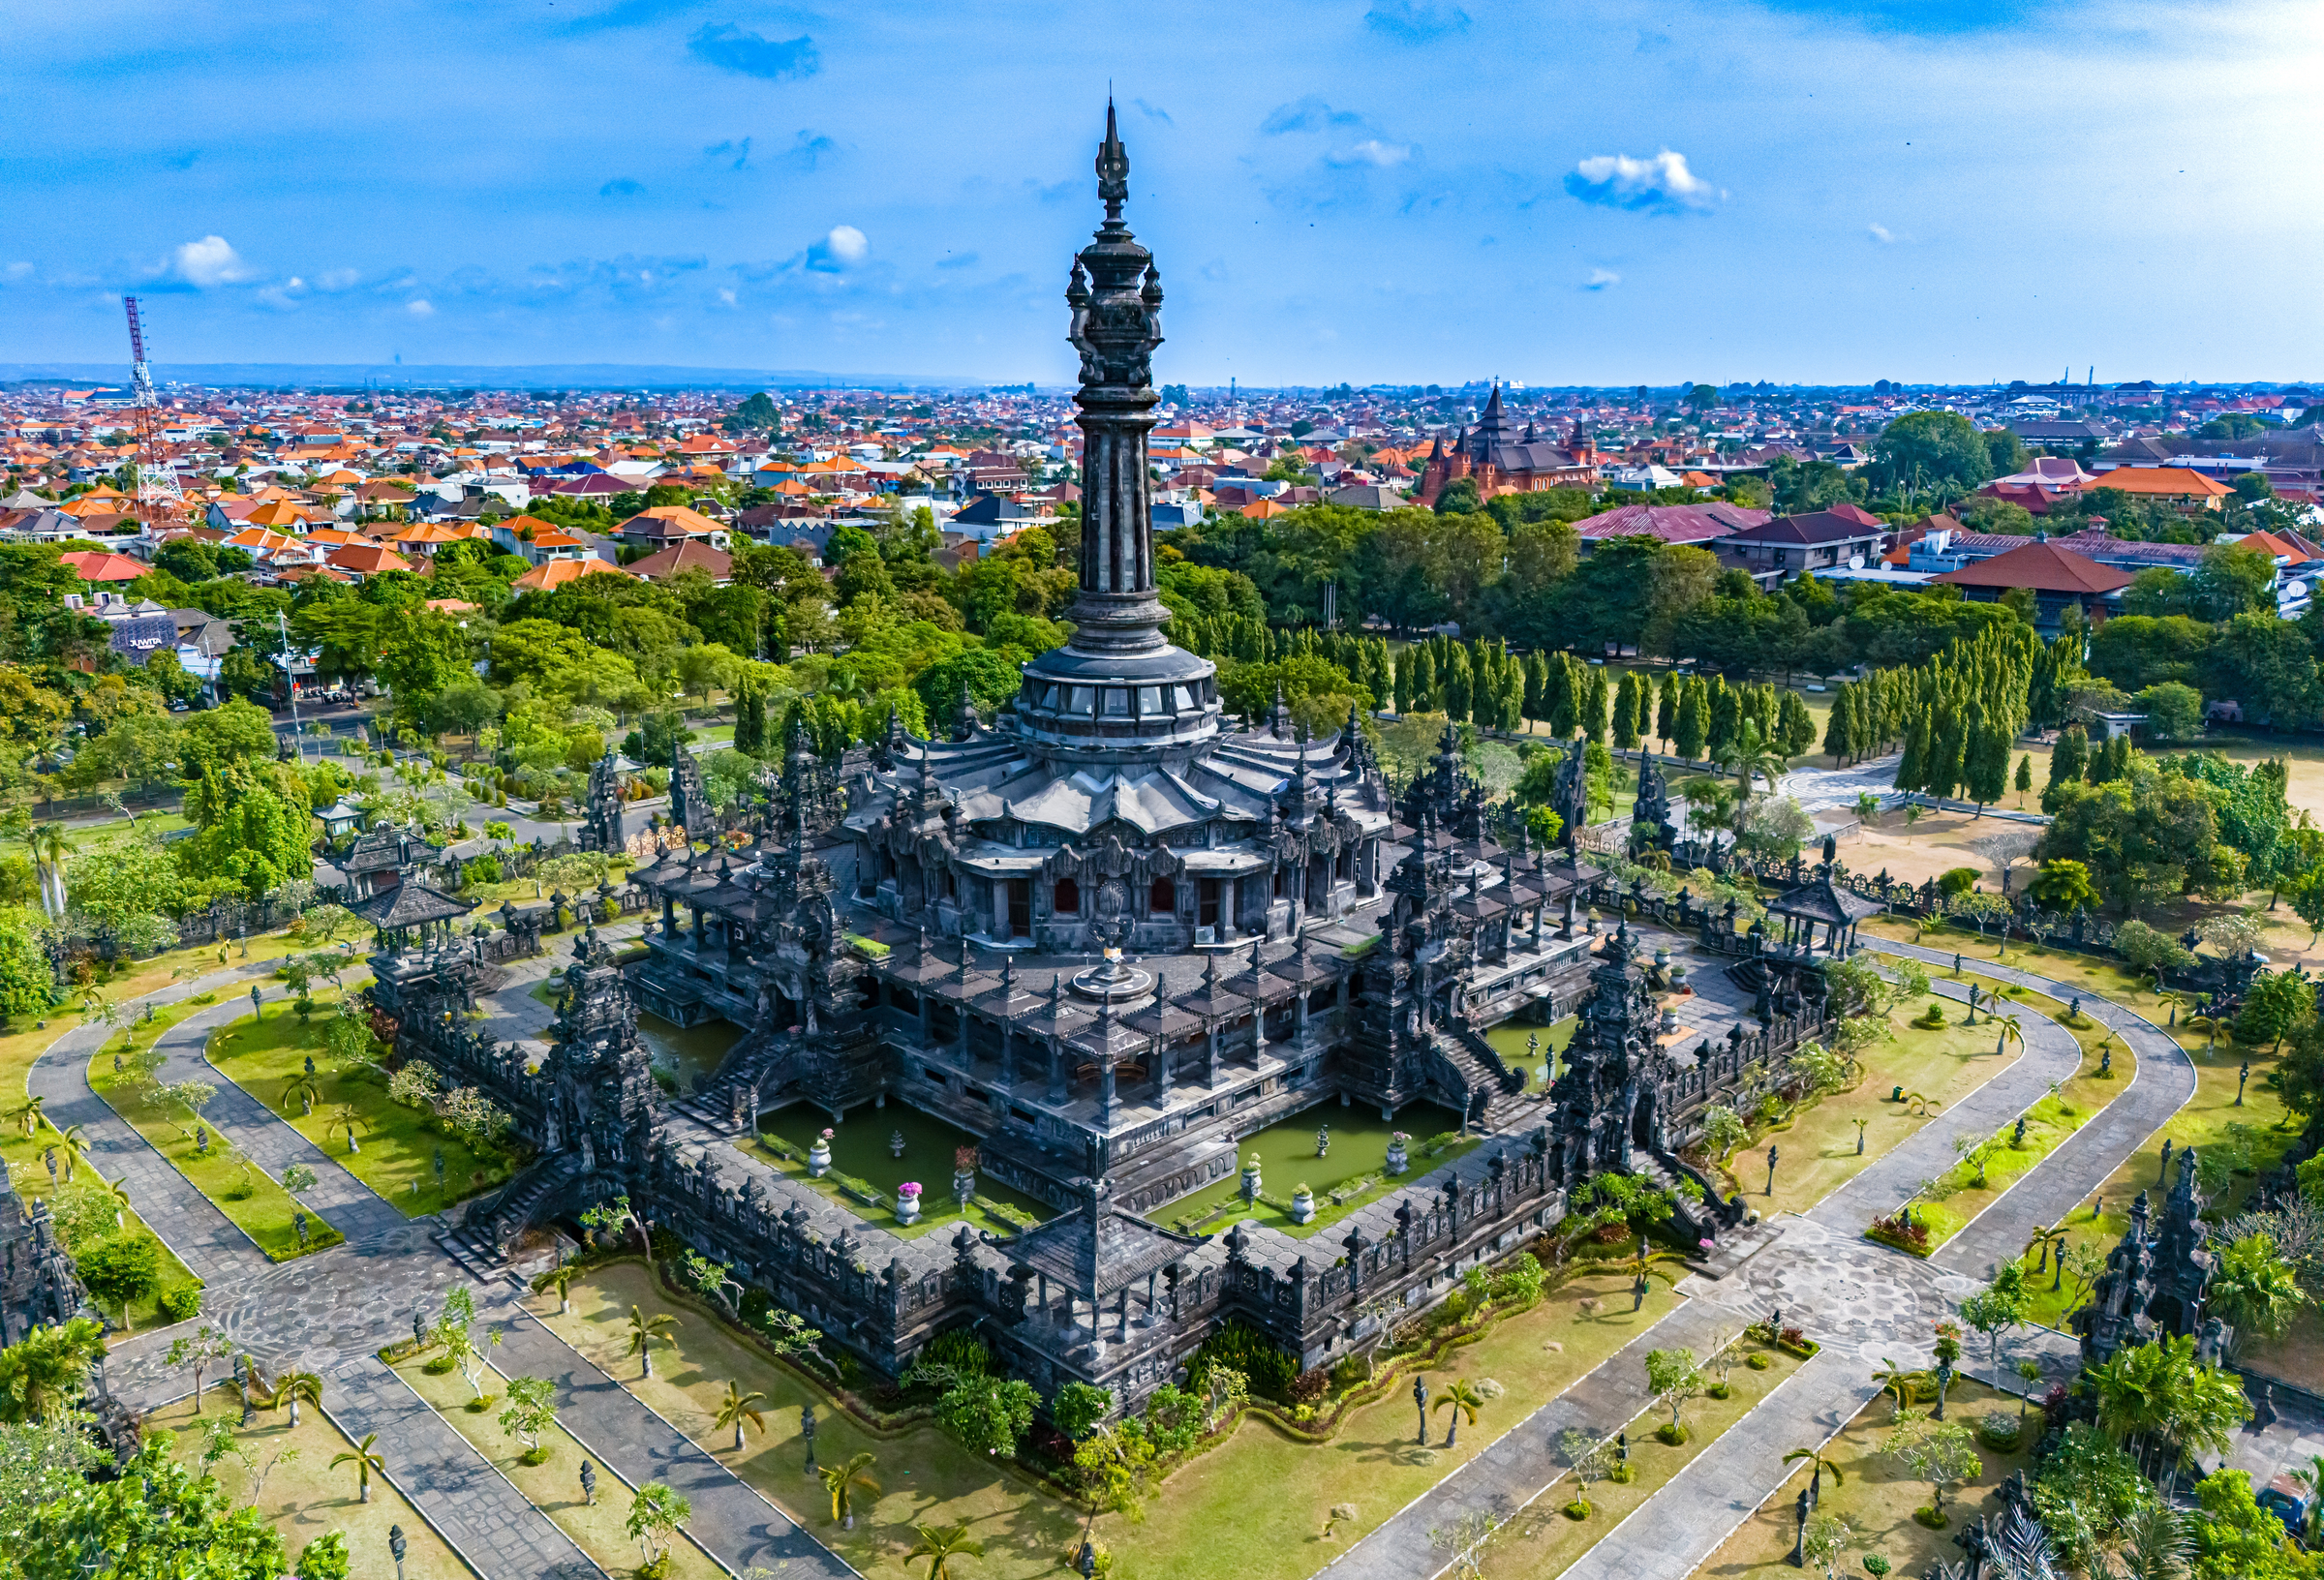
[2044,566]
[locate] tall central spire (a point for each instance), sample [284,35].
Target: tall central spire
[1115,293]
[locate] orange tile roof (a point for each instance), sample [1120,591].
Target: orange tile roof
[97,565]
[367,560]
[2171,481]
[555,573]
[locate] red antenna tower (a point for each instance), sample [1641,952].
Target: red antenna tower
[158,497]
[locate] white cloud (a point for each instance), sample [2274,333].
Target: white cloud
[210,262]
[1661,185]
[421,308]
[1376,152]
[1600,279]
[1880,232]
[726,295]
[17,271]
[336,279]
[844,247]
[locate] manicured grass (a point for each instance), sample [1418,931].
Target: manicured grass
[251,1199]
[1817,1147]
[265,1056]
[1250,1508]
[860,1147]
[304,1498]
[1877,1498]
[1543,1541]
[1958,1196]
[1511,1040]
[1287,1159]
[553,1487]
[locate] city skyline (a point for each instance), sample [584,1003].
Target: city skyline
[1400,192]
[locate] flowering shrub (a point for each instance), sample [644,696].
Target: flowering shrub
[1897,1229]
[910,1187]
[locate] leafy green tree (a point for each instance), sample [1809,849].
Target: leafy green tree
[42,1374]
[1673,1378]
[1994,1310]
[122,1270]
[2254,1290]
[1079,1407]
[653,1514]
[158,1520]
[2237,1539]
[989,1414]
[1938,1452]
[531,1411]
[1941,450]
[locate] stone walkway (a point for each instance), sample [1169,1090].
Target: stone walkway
[330,1312]
[1863,1302]
[729,1518]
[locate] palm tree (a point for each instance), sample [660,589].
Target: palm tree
[365,1460]
[645,1330]
[1823,1468]
[30,1113]
[1899,1381]
[294,1388]
[843,1482]
[306,1088]
[561,1279]
[941,1544]
[76,1140]
[737,1409]
[118,1190]
[1465,1400]
[345,1118]
[39,1374]
[1748,755]
[50,847]
[2012,1032]
[1668,1266]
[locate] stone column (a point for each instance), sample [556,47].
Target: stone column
[1000,908]
[1056,1071]
[1210,1076]
[669,916]
[1226,908]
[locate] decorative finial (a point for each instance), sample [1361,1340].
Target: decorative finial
[1112,169]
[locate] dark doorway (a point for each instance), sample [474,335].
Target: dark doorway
[1207,904]
[1021,906]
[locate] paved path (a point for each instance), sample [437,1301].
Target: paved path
[330,1312]
[203,1238]
[729,1518]
[1863,1302]
[475,1508]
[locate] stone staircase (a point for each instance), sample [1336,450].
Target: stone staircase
[480,1240]
[1468,1069]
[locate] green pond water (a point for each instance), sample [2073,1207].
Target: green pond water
[1509,1041]
[860,1146]
[1287,1160]
[692,1053]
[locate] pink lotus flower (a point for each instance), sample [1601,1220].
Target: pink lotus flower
[827,1134]
[910,1187]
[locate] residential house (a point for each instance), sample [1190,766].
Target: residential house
[550,574]
[2057,576]
[1697,524]
[138,629]
[1779,548]
[687,553]
[660,525]
[103,565]
[2180,486]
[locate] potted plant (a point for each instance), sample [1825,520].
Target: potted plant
[1398,1160]
[1251,1178]
[818,1156]
[1302,1204]
[907,1201]
[963,1175]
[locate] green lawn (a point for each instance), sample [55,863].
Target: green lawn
[553,1487]
[303,1497]
[1879,1495]
[1817,1146]
[1529,1047]
[1250,1508]
[860,1148]
[1957,1196]
[1354,1167]
[250,1197]
[1545,1540]
[397,1144]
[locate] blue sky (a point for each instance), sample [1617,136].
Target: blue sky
[1369,190]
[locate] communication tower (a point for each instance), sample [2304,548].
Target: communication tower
[158,497]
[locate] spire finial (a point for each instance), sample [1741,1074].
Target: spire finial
[1112,169]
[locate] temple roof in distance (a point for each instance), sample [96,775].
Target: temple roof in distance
[411,903]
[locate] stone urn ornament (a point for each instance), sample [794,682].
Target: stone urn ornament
[1323,1142]
[1398,1160]
[819,1157]
[1303,1204]
[963,1175]
[895,1143]
[907,1203]
[1250,1179]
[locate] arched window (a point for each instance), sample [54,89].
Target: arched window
[1067,898]
[1163,901]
